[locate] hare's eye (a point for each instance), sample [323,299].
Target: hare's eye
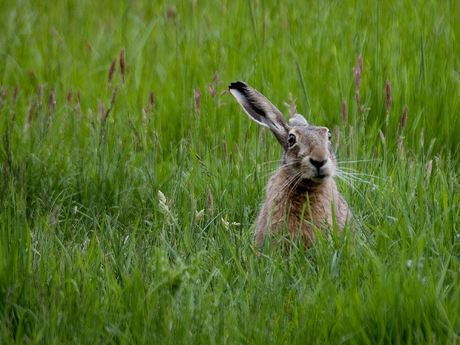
[291,139]
[329,135]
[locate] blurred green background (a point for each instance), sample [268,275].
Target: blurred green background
[92,251]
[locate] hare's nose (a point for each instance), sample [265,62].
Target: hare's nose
[317,164]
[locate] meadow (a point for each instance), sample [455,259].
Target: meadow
[131,179]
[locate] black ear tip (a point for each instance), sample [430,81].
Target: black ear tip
[238,85]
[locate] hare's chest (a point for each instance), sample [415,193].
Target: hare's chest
[301,210]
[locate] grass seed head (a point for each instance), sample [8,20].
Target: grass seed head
[40,93]
[199,216]
[388,96]
[77,108]
[382,137]
[429,168]
[214,79]
[122,65]
[69,97]
[404,118]
[358,73]
[15,96]
[344,113]
[51,101]
[422,138]
[101,109]
[30,115]
[152,100]
[212,90]
[197,102]
[136,133]
[114,96]
[210,202]
[360,65]
[111,72]
[4,95]
[400,145]
[224,148]
[292,106]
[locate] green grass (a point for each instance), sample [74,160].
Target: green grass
[91,253]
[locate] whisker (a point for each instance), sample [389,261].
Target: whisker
[359,161]
[351,185]
[350,177]
[355,175]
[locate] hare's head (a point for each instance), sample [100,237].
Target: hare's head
[307,150]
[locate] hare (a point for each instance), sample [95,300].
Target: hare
[302,194]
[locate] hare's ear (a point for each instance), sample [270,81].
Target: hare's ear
[298,120]
[261,110]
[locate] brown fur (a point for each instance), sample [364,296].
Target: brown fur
[288,209]
[301,194]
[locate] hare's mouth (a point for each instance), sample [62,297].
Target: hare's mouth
[316,176]
[319,177]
